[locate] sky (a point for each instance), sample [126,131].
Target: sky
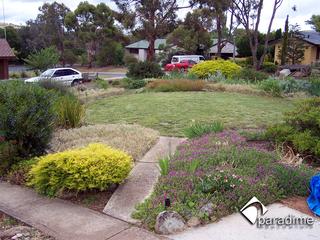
[19,11]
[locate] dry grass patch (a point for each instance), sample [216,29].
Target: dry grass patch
[176,85]
[133,139]
[238,88]
[87,95]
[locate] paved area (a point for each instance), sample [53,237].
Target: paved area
[64,220]
[235,227]
[141,181]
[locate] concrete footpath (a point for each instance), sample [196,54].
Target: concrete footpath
[64,220]
[139,185]
[235,227]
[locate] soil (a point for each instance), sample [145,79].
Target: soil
[300,204]
[94,200]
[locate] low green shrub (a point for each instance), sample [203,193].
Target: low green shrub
[174,75]
[199,129]
[70,112]
[133,83]
[207,68]
[251,75]
[271,86]
[8,156]
[27,116]
[101,83]
[176,85]
[143,70]
[301,128]
[292,85]
[96,166]
[269,67]
[164,166]
[19,172]
[51,84]
[129,59]
[314,89]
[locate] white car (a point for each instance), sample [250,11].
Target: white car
[65,76]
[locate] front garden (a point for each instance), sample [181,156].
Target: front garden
[257,136]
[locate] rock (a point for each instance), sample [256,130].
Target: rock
[169,222]
[207,209]
[15,231]
[193,222]
[284,73]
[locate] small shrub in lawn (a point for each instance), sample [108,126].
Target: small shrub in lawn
[164,166]
[271,86]
[70,111]
[134,83]
[301,128]
[101,83]
[207,68]
[94,167]
[176,85]
[292,85]
[251,75]
[143,70]
[315,87]
[198,129]
[27,117]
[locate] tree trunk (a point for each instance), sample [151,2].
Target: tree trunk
[219,31]
[151,49]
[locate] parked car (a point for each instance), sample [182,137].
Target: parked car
[65,76]
[178,58]
[181,66]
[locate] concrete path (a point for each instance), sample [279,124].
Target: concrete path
[141,181]
[235,227]
[64,220]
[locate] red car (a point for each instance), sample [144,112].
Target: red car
[181,66]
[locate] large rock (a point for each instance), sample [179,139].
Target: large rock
[14,231]
[284,73]
[207,209]
[169,222]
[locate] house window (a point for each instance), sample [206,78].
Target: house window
[134,50]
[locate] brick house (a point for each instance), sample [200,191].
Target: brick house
[6,54]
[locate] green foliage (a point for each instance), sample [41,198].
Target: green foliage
[145,69]
[292,85]
[177,85]
[301,128]
[111,53]
[50,84]
[199,129]
[315,22]
[70,111]
[94,167]
[251,75]
[101,83]
[44,59]
[164,166]
[129,59]
[271,86]
[19,172]
[269,67]
[27,116]
[204,69]
[8,155]
[315,86]
[134,83]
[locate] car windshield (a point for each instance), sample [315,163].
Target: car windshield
[47,73]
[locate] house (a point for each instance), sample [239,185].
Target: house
[140,49]
[6,54]
[226,52]
[311,51]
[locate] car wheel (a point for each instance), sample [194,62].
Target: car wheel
[75,83]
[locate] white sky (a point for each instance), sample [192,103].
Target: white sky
[19,11]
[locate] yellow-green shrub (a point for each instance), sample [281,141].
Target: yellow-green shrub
[204,69]
[96,166]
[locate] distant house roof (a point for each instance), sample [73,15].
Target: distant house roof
[143,44]
[312,37]
[5,50]
[228,48]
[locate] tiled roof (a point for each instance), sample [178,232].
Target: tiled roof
[143,44]
[5,49]
[312,37]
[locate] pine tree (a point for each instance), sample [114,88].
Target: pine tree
[284,48]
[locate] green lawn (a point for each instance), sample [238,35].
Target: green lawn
[170,113]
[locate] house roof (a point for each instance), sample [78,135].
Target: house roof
[5,50]
[143,44]
[312,37]
[228,48]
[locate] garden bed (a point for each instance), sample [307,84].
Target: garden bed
[215,175]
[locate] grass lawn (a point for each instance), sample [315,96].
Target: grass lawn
[171,113]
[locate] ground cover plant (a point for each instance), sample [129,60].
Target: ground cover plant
[221,172]
[176,85]
[171,113]
[95,167]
